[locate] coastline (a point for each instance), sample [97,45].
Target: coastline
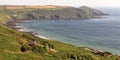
[12,24]
[23,29]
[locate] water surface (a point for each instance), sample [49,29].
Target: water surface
[103,33]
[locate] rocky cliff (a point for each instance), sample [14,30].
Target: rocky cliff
[51,12]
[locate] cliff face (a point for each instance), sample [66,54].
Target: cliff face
[53,12]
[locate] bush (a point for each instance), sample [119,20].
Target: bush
[38,49]
[25,48]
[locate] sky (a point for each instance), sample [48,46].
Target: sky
[99,3]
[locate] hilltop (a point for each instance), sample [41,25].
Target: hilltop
[11,7]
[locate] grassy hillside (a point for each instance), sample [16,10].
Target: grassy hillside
[12,41]
[16,45]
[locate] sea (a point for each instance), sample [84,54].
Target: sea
[101,33]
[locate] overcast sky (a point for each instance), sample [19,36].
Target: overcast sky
[100,3]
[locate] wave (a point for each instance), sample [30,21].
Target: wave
[23,29]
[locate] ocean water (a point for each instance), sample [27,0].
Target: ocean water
[102,33]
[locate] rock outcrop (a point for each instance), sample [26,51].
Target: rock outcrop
[92,11]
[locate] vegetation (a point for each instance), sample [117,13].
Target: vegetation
[16,45]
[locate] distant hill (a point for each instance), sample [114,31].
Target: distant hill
[50,12]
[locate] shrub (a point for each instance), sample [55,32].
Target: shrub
[25,48]
[38,49]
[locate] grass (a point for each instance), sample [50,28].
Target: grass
[10,47]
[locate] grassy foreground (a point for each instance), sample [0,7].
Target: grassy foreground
[16,45]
